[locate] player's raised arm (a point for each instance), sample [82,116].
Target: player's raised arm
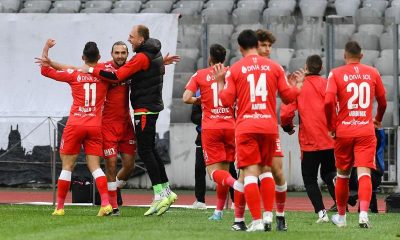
[45,59]
[288,88]
[226,87]
[171,59]
[190,89]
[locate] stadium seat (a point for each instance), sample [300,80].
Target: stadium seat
[387,120]
[309,38]
[220,4]
[180,111]
[282,40]
[95,10]
[188,40]
[123,10]
[154,10]
[284,27]
[196,5]
[340,39]
[369,57]
[219,33]
[391,14]
[275,15]
[180,81]
[10,6]
[245,16]
[287,5]
[297,63]
[133,6]
[188,15]
[239,28]
[386,40]
[348,29]
[188,52]
[166,5]
[68,4]
[372,29]
[63,10]
[36,6]
[366,40]
[368,15]
[97,6]
[388,83]
[216,16]
[252,4]
[313,8]
[346,7]
[378,5]
[336,63]
[1,8]
[384,64]
[282,56]
[304,53]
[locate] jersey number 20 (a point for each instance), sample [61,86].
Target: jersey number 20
[361,93]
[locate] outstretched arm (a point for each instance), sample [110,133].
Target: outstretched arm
[171,59]
[46,61]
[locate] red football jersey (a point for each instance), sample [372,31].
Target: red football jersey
[215,116]
[355,86]
[254,81]
[116,106]
[88,93]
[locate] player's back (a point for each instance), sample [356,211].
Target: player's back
[356,89]
[215,116]
[256,82]
[116,106]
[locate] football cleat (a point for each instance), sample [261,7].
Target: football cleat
[256,226]
[105,211]
[165,205]
[281,224]
[115,212]
[239,226]
[339,221]
[363,222]
[153,207]
[267,220]
[58,212]
[217,216]
[324,218]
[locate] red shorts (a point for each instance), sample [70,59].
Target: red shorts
[278,149]
[74,136]
[218,145]
[255,148]
[357,152]
[118,137]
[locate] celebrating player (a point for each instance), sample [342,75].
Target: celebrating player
[355,86]
[253,82]
[218,129]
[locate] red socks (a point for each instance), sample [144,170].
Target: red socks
[101,184]
[267,190]
[342,193]
[240,206]
[364,191]
[64,182]
[222,192]
[223,177]
[253,197]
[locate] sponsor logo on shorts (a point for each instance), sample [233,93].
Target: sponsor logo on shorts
[109,152]
[137,122]
[132,142]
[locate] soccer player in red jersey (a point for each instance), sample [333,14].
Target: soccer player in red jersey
[118,132]
[355,86]
[83,127]
[253,82]
[218,131]
[275,186]
[316,146]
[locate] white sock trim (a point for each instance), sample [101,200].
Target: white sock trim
[265,175]
[239,219]
[238,186]
[282,188]
[211,175]
[364,174]
[112,186]
[120,183]
[98,173]
[342,176]
[250,179]
[65,175]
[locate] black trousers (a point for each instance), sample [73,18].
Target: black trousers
[200,176]
[145,128]
[309,169]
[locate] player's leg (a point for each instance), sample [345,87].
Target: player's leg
[111,168]
[328,170]
[267,190]
[145,128]
[200,181]
[280,193]
[364,152]
[309,170]
[127,148]
[344,162]
[69,149]
[253,196]
[240,206]
[222,188]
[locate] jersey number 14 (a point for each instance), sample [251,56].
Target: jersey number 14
[259,90]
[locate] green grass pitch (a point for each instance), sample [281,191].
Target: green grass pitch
[35,222]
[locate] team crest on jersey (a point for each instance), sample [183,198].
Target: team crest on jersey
[345,78]
[78,79]
[228,73]
[254,60]
[70,70]
[330,74]
[244,70]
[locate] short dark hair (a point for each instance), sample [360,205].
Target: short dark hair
[217,53]
[353,49]
[314,64]
[91,52]
[119,43]
[143,31]
[265,35]
[248,39]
